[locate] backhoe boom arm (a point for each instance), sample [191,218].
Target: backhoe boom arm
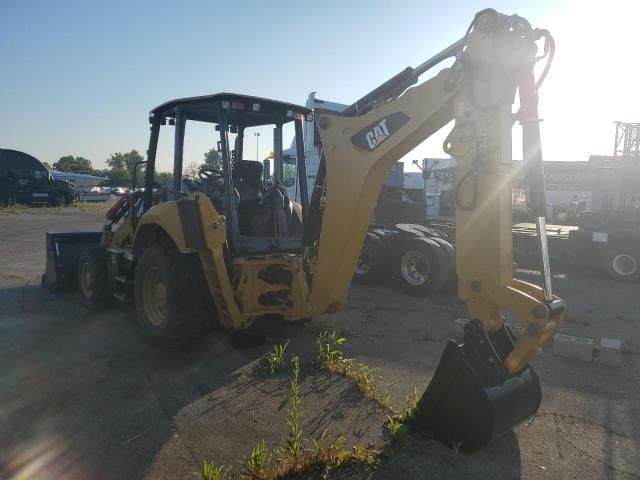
[494,60]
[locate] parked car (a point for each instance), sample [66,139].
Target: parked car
[97,194]
[24,179]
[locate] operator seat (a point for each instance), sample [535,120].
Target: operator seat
[247,181]
[261,214]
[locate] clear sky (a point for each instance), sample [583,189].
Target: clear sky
[79,77]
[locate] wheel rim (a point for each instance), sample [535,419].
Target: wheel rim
[86,280]
[154,297]
[364,261]
[624,264]
[414,267]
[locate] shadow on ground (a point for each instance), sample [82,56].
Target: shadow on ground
[420,458]
[82,396]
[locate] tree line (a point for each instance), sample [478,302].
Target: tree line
[120,168]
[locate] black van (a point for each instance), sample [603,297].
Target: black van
[24,179]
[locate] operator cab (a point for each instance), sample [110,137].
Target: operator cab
[259,215]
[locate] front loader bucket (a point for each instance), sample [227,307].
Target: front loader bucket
[63,253]
[472,399]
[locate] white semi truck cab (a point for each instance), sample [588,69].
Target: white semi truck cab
[311,148]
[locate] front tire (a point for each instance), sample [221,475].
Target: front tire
[93,279]
[59,201]
[173,303]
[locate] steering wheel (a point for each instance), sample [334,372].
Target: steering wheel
[208,174]
[212,180]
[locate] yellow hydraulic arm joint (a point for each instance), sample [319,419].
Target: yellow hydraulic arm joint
[482,387]
[494,61]
[481,143]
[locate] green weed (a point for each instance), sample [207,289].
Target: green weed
[396,422]
[296,457]
[330,356]
[328,348]
[214,472]
[257,465]
[82,206]
[274,359]
[294,417]
[14,208]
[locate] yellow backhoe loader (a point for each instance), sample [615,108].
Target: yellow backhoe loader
[229,248]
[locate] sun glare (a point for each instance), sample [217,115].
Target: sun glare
[593,79]
[591,84]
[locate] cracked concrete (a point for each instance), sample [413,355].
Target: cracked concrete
[82,397]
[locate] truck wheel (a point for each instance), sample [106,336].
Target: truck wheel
[623,264]
[422,267]
[58,201]
[93,278]
[372,266]
[173,303]
[451,279]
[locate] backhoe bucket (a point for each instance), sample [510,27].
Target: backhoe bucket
[63,253]
[472,399]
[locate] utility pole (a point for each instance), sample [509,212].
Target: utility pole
[257,134]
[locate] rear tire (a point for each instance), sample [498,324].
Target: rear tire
[173,302]
[451,278]
[623,264]
[93,278]
[421,267]
[372,266]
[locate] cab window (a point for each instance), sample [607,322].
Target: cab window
[288,171]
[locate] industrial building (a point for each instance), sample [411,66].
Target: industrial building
[602,182]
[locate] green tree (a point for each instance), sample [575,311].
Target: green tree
[164,179]
[213,159]
[121,166]
[124,161]
[69,163]
[191,171]
[118,178]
